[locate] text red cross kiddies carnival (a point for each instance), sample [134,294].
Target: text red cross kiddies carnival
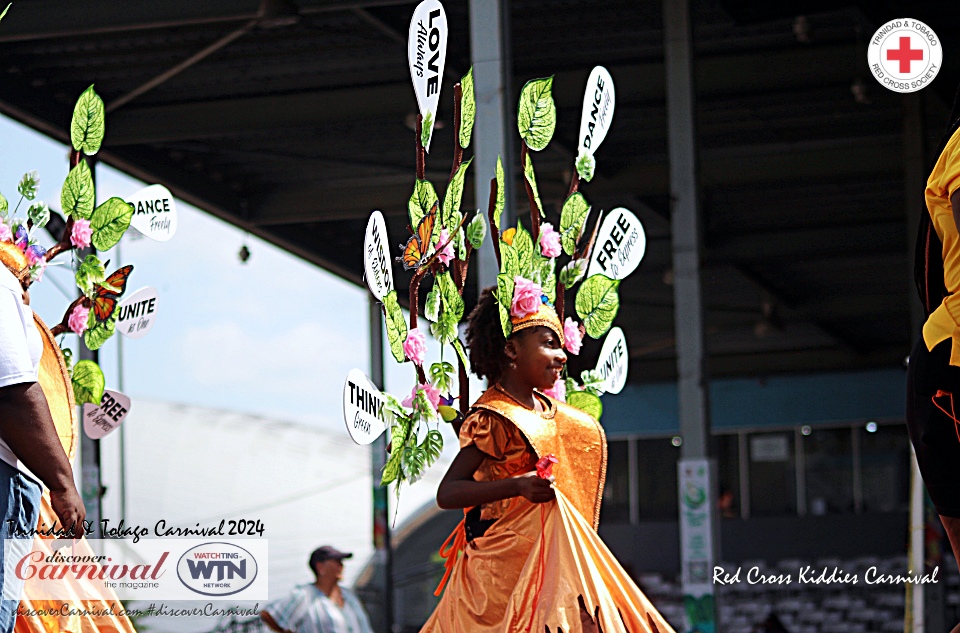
[905,54]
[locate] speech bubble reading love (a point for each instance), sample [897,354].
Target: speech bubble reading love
[613,362]
[154,212]
[599,101]
[137,313]
[376,257]
[426,55]
[620,245]
[363,408]
[100,420]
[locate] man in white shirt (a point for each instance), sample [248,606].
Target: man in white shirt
[30,450]
[321,607]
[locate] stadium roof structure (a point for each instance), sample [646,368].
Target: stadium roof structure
[293,120]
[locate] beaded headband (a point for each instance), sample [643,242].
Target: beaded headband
[545,316]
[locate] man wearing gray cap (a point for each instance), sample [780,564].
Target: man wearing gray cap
[321,607]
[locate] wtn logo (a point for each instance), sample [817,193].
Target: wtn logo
[217,569]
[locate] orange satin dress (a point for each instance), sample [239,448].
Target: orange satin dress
[534,563]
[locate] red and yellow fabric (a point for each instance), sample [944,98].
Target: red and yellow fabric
[531,567]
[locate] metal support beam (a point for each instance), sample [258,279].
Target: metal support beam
[490,55]
[381,508]
[698,538]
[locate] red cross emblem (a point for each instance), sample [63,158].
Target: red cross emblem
[905,55]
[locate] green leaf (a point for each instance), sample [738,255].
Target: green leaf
[476,230]
[87,126]
[426,130]
[88,382]
[100,333]
[441,375]
[460,244]
[89,274]
[4,205]
[509,260]
[504,301]
[452,301]
[109,222]
[398,438]
[77,196]
[501,194]
[573,272]
[597,304]
[537,114]
[454,195]
[457,345]
[423,198]
[586,402]
[396,325]
[445,329]
[432,446]
[546,272]
[413,463]
[532,180]
[432,309]
[523,245]
[28,184]
[586,165]
[39,214]
[572,216]
[5,11]
[505,324]
[468,108]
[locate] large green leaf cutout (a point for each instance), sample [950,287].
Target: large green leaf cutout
[537,114]
[586,402]
[457,345]
[501,194]
[432,446]
[597,304]
[504,301]
[523,245]
[452,301]
[88,382]
[454,195]
[396,325]
[546,271]
[532,180]
[432,308]
[509,261]
[468,108]
[87,126]
[5,10]
[423,198]
[572,217]
[77,195]
[99,333]
[476,231]
[109,222]
[398,438]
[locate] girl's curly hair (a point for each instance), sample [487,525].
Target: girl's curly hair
[485,338]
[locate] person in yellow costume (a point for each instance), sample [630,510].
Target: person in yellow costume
[47,405]
[527,555]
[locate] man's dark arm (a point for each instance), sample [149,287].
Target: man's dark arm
[28,429]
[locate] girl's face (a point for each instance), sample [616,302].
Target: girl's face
[538,355]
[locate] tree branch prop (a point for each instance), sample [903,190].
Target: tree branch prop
[457,150]
[491,209]
[421,154]
[63,327]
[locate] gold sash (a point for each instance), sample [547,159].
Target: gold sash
[574,437]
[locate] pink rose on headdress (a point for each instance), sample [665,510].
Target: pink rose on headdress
[558,391]
[526,297]
[549,241]
[35,253]
[81,233]
[572,336]
[6,235]
[432,393]
[78,319]
[446,254]
[415,347]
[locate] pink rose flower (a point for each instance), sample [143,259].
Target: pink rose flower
[415,347]
[6,235]
[526,297]
[432,393]
[572,336]
[447,253]
[81,233]
[558,391]
[549,241]
[78,319]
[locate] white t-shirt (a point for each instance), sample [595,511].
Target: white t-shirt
[20,346]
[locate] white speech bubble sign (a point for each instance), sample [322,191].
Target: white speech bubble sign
[426,55]
[154,212]
[100,421]
[376,256]
[137,313]
[613,362]
[599,101]
[620,245]
[363,408]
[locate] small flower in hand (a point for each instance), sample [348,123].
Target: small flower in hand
[545,466]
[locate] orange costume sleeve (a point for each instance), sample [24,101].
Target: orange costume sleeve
[533,564]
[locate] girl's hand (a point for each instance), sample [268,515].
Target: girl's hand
[535,489]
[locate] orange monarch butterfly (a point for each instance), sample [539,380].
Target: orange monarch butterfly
[416,250]
[105,299]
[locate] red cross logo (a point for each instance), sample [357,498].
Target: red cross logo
[905,54]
